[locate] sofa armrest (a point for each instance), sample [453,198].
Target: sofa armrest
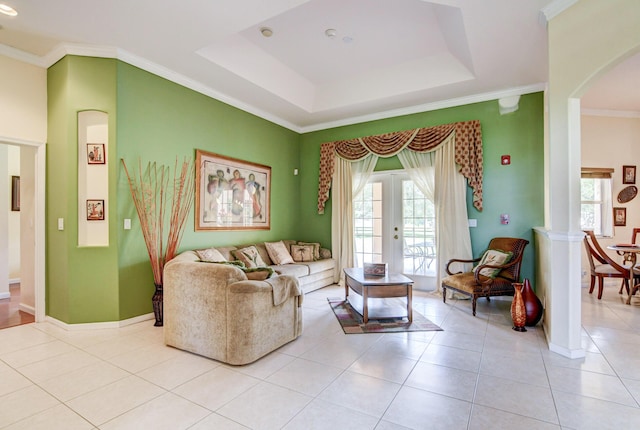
[213,310]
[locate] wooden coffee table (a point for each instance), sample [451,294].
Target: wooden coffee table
[391,285]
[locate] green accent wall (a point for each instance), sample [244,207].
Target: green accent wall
[517,189]
[153,119]
[159,120]
[82,282]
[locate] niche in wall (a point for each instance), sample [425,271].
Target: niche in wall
[93,178]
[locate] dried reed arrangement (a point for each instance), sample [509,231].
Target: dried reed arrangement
[151,192]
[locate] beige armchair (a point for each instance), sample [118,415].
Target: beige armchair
[214,310]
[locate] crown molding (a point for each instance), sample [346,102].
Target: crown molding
[81,50]
[554,9]
[444,104]
[109,52]
[610,113]
[19,55]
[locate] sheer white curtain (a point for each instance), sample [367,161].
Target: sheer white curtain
[419,167]
[452,232]
[349,179]
[607,210]
[437,177]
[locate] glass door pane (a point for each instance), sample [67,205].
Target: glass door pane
[367,219]
[419,240]
[394,223]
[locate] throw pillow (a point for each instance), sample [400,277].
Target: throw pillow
[278,253]
[302,253]
[495,257]
[258,273]
[211,255]
[316,249]
[249,256]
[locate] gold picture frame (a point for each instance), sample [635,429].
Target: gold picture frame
[231,194]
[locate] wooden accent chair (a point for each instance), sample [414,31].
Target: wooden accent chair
[605,267]
[476,285]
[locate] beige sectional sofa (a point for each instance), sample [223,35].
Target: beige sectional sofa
[312,275]
[213,308]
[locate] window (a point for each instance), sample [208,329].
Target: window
[595,198]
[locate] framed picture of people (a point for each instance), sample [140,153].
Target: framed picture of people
[231,194]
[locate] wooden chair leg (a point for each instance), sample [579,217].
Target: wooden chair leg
[593,284]
[625,283]
[473,304]
[600,286]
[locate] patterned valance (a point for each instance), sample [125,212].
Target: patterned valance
[468,141]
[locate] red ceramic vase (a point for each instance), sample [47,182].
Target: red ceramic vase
[532,304]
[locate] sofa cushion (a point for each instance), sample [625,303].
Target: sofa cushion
[249,256]
[226,252]
[297,270]
[210,255]
[278,252]
[258,273]
[302,253]
[316,248]
[288,244]
[320,265]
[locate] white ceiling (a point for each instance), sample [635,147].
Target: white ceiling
[388,57]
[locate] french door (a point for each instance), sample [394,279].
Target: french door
[395,224]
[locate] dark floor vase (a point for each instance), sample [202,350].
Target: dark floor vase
[532,304]
[157,305]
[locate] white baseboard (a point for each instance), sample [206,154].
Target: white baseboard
[26,308]
[5,295]
[100,325]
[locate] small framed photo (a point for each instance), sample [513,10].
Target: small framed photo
[628,174]
[95,153]
[619,217]
[95,210]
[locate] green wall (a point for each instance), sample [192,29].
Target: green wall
[517,189]
[153,119]
[158,121]
[82,282]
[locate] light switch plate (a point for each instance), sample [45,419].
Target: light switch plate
[60,223]
[473,222]
[127,224]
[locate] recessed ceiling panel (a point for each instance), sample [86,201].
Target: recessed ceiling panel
[329,53]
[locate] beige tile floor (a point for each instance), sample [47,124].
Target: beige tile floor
[476,374]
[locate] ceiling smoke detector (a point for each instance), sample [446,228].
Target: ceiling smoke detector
[266,31]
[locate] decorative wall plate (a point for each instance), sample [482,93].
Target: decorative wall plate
[627,194]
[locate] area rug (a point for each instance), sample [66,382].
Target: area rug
[352,323]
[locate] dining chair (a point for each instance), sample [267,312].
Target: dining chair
[603,266]
[634,234]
